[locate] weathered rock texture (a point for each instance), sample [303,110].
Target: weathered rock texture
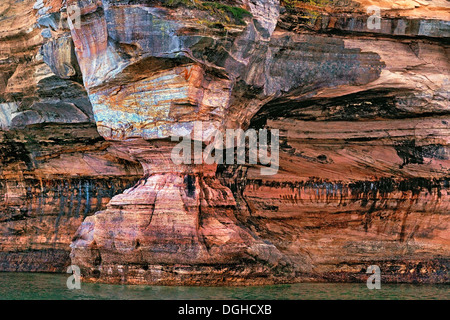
[364,128]
[52,177]
[55,169]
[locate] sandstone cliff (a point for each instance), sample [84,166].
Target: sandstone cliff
[92,90]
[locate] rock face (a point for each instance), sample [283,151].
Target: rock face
[55,169]
[363,116]
[52,177]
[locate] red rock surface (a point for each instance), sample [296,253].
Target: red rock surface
[53,177]
[364,140]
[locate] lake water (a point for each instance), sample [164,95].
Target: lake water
[53,286]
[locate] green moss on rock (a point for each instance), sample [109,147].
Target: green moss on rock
[226,14]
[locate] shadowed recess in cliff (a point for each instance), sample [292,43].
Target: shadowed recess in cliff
[366,105]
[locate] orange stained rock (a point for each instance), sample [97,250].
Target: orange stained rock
[434,9]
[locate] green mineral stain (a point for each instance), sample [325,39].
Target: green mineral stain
[225,13]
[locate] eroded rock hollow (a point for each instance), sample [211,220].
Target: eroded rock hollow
[92,92]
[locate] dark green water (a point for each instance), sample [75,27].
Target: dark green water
[53,286]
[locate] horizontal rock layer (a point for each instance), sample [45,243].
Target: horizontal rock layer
[51,178]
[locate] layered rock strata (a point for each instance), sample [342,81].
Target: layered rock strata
[362,114]
[52,177]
